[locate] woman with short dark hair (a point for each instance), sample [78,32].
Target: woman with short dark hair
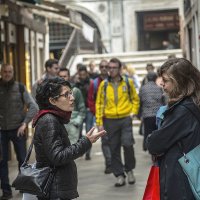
[181,82]
[52,146]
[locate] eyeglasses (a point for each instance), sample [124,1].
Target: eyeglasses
[104,66]
[67,94]
[113,68]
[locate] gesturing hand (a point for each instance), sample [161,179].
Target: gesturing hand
[93,137]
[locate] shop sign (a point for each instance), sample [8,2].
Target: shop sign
[161,21]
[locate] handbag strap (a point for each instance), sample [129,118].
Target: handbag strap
[28,154]
[196,114]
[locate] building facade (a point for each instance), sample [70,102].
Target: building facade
[132,25]
[22,41]
[192,31]
[24,31]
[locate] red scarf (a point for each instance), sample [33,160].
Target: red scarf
[65,116]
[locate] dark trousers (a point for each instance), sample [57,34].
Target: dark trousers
[20,150]
[105,146]
[120,134]
[89,123]
[149,127]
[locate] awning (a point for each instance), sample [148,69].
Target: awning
[54,12]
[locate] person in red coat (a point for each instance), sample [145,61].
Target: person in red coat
[93,88]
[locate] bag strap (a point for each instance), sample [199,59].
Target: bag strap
[128,87]
[95,82]
[21,90]
[196,114]
[104,91]
[28,153]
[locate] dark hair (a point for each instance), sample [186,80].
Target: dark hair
[49,63]
[49,88]
[150,65]
[185,76]
[82,68]
[152,76]
[116,60]
[103,60]
[4,65]
[78,65]
[65,70]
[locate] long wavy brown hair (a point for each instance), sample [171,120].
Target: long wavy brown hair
[185,78]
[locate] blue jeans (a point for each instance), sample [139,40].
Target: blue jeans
[20,150]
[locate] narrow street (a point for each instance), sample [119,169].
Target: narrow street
[94,184]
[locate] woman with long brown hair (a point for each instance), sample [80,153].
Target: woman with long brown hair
[181,82]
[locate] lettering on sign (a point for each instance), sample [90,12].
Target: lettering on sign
[161,21]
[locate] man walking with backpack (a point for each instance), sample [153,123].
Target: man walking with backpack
[117,102]
[17,109]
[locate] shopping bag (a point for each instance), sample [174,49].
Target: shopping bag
[152,190]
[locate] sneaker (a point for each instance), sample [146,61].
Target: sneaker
[108,170]
[6,195]
[120,181]
[131,177]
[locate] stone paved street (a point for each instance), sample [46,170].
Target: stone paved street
[94,184]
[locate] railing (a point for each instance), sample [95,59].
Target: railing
[77,44]
[69,50]
[187,6]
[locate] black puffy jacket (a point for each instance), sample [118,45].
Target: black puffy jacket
[53,148]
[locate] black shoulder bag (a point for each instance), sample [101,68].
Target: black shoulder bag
[32,180]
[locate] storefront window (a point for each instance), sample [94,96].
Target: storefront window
[158,30]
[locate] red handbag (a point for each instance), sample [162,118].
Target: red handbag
[152,190]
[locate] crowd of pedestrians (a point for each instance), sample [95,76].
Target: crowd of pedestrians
[105,97]
[108,97]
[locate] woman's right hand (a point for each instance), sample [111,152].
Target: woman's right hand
[93,137]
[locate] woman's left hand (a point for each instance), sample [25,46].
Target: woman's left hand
[93,137]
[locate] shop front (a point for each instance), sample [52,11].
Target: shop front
[16,43]
[158,30]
